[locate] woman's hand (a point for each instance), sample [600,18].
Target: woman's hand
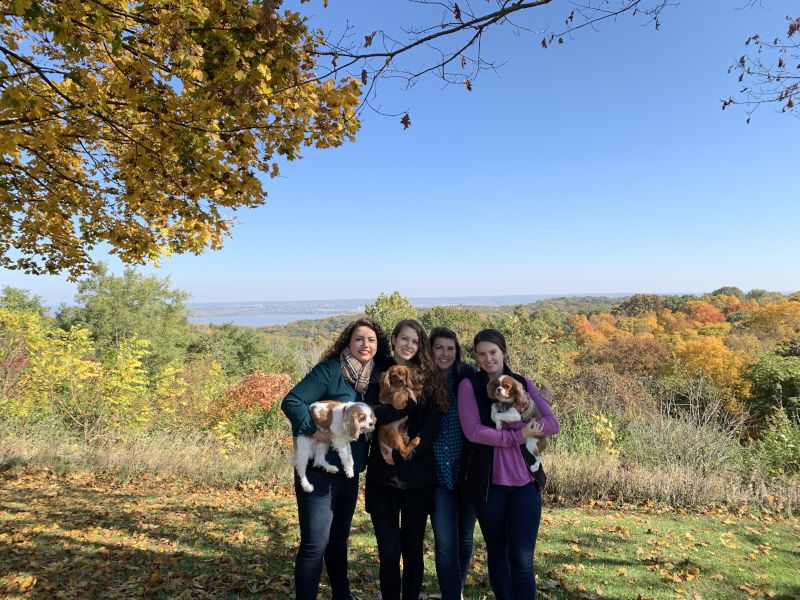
[322,436]
[533,429]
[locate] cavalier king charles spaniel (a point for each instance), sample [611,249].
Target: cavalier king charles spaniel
[510,399]
[346,421]
[396,381]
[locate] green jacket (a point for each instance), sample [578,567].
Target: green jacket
[324,382]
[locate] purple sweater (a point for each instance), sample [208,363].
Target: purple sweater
[509,466]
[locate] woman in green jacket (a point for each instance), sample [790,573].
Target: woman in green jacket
[344,373]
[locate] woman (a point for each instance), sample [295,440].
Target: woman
[453,518]
[507,496]
[345,373]
[399,496]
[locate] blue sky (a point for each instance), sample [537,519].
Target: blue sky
[603,165]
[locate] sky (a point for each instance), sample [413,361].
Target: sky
[603,165]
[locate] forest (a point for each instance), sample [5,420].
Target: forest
[683,400]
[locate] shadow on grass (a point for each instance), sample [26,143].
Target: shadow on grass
[76,540]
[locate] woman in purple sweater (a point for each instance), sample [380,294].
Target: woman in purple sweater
[507,496]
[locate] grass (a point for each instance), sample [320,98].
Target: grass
[84,535]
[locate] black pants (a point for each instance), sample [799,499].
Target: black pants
[399,518]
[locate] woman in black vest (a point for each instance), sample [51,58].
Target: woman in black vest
[507,496]
[399,496]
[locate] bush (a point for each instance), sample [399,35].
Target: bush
[777,452]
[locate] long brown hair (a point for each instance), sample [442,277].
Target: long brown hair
[343,341]
[423,367]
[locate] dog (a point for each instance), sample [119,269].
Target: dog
[396,381]
[346,421]
[510,398]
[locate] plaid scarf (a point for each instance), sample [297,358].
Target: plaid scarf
[354,372]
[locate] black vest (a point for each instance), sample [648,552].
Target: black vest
[477,460]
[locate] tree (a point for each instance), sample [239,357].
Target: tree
[118,309]
[389,310]
[144,125]
[728,290]
[639,304]
[709,354]
[770,73]
[775,384]
[20,300]
[239,351]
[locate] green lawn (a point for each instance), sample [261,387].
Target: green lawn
[84,536]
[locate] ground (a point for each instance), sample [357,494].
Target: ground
[80,535]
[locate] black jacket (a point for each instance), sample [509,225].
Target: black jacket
[424,419]
[477,460]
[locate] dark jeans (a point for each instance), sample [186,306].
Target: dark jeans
[509,520]
[399,518]
[453,522]
[325,516]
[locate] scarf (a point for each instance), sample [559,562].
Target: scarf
[354,372]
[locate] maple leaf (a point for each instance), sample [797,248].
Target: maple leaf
[405,120]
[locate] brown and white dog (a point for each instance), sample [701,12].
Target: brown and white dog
[346,421]
[395,383]
[510,399]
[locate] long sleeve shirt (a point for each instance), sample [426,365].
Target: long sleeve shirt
[508,467]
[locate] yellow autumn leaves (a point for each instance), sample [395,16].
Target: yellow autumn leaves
[146,129]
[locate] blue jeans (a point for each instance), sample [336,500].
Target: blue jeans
[325,516]
[509,520]
[453,522]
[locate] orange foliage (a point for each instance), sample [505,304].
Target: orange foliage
[606,324]
[641,355]
[703,312]
[258,391]
[585,333]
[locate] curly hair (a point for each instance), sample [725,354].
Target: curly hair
[343,341]
[423,368]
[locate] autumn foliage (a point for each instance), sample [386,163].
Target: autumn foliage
[258,391]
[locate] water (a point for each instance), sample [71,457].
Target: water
[256,320]
[257,314]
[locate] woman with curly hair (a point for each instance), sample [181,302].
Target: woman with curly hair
[346,373]
[399,493]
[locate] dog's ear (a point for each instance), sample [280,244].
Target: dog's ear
[322,415]
[519,389]
[490,389]
[350,423]
[385,380]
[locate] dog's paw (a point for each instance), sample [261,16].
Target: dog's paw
[306,485]
[349,472]
[331,468]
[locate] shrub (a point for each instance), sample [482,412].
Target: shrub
[777,451]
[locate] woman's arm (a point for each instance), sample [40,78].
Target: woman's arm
[386,413]
[295,405]
[471,422]
[548,419]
